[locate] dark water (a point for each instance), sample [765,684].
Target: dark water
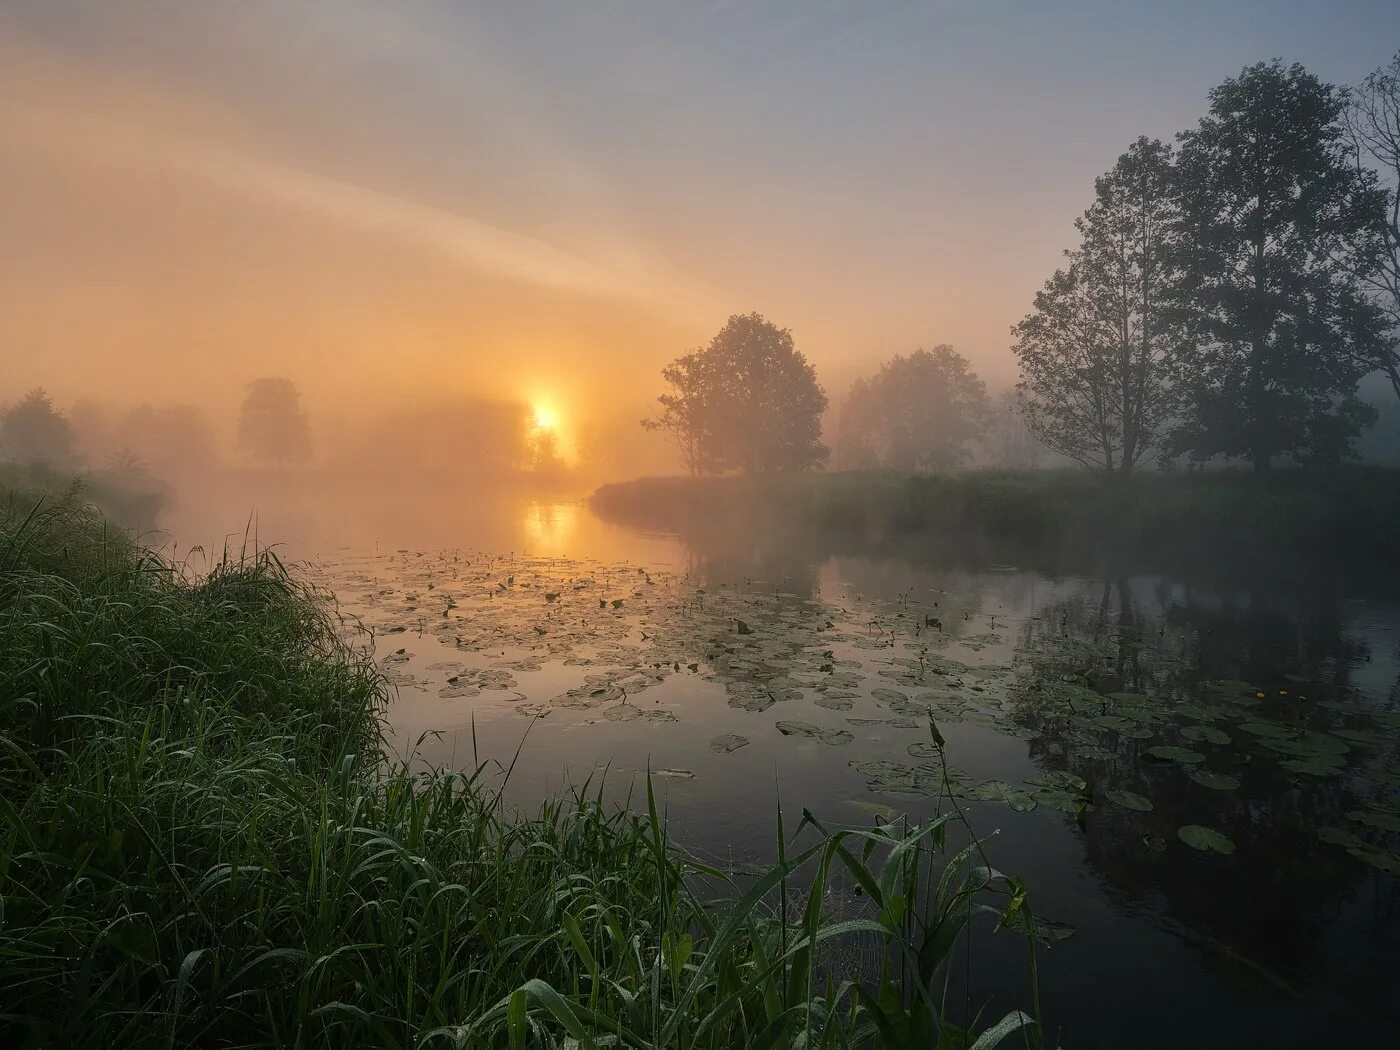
[1088,721]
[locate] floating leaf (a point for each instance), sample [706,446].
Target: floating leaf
[1130,800]
[826,736]
[728,742]
[1207,733]
[1000,791]
[1321,766]
[1376,819]
[1168,753]
[1215,781]
[1204,839]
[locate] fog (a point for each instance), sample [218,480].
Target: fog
[398,207]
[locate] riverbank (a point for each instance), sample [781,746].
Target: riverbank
[1066,520]
[202,842]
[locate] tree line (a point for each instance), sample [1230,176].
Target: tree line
[165,441]
[1227,293]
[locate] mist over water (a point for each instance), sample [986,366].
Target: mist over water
[834,418]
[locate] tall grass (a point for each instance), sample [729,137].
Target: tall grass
[202,843]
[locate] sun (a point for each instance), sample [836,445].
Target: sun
[545,418]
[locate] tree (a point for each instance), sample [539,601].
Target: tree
[747,401]
[683,413]
[33,431]
[1008,441]
[918,413]
[1373,126]
[272,425]
[1277,222]
[1096,353]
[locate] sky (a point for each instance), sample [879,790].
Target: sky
[397,202]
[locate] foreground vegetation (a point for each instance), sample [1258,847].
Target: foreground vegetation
[203,843]
[1055,519]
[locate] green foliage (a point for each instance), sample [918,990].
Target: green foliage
[1278,229]
[917,413]
[748,401]
[202,844]
[1096,354]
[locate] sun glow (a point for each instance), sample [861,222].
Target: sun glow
[545,419]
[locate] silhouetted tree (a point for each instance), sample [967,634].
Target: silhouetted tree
[1096,352]
[272,426]
[1373,123]
[747,401]
[918,413]
[33,431]
[1277,221]
[544,450]
[684,412]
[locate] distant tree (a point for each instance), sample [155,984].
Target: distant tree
[1277,224]
[683,415]
[33,431]
[1373,124]
[918,413]
[544,450]
[1096,353]
[272,426]
[1008,442]
[127,464]
[747,401]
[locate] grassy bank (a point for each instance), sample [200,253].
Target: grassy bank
[1057,519]
[131,502]
[203,844]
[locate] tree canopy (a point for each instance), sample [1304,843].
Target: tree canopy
[1373,124]
[1096,352]
[918,413]
[33,431]
[1277,227]
[747,401]
[272,426]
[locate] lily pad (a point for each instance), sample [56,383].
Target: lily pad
[1204,839]
[1207,733]
[834,737]
[1000,791]
[728,742]
[1130,800]
[1215,781]
[1169,753]
[1376,819]
[1321,766]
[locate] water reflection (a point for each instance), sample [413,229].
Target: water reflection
[1287,905]
[1093,721]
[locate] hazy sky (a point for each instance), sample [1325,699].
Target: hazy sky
[549,200]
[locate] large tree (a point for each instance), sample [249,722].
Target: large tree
[1096,352]
[33,431]
[272,426]
[1373,123]
[748,401]
[1277,222]
[918,413]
